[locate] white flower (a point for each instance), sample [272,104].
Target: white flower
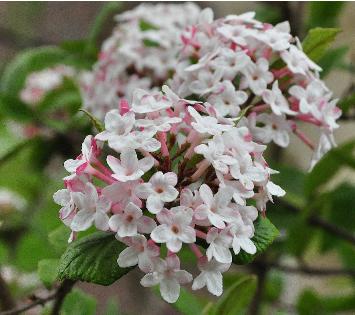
[206,82]
[215,208]
[140,252]
[228,102]
[206,124]
[129,167]
[241,238]
[278,37]
[131,221]
[169,276]
[158,190]
[162,123]
[277,100]
[265,194]
[145,102]
[175,228]
[117,126]
[257,76]
[92,208]
[210,276]
[63,197]
[219,245]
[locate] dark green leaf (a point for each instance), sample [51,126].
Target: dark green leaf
[265,233]
[92,259]
[13,108]
[47,271]
[146,26]
[150,43]
[317,41]
[78,303]
[347,103]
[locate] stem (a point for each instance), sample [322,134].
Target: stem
[201,234]
[304,138]
[61,293]
[196,250]
[6,300]
[99,175]
[200,170]
[255,305]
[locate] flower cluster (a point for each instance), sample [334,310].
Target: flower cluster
[238,62]
[41,82]
[175,174]
[141,53]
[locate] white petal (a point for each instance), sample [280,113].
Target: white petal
[146,225]
[160,234]
[170,290]
[101,221]
[154,204]
[127,258]
[247,245]
[82,220]
[214,282]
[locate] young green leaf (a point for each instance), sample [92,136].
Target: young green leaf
[317,41]
[78,303]
[93,259]
[47,271]
[265,233]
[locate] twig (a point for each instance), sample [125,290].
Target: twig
[58,297]
[261,271]
[6,300]
[323,224]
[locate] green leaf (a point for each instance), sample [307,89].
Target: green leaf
[47,271]
[317,41]
[96,122]
[265,233]
[188,304]
[332,58]
[347,103]
[328,166]
[13,108]
[308,303]
[78,303]
[112,307]
[324,14]
[236,299]
[16,149]
[26,62]
[59,238]
[93,259]
[150,43]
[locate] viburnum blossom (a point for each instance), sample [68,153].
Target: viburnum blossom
[237,62]
[184,167]
[141,53]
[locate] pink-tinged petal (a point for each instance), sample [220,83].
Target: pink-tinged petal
[171,178]
[206,194]
[201,212]
[247,245]
[115,165]
[199,282]
[127,258]
[216,220]
[154,204]
[151,145]
[183,276]
[214,283]
[82,221]
[129,160]
[101,221]
[174,245]
[115,222]
[145,262]
[160,234]
[103,204]
[62,197]
[170,290]
[144,190]
[146,225]
[169,194]
[146,163]
[188,234]
[150,280]
[173,262]
[133,210]
[72,165]
[79,199]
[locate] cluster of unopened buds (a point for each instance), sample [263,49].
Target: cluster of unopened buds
[183,167]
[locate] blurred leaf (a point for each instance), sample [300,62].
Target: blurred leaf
[13,108]
[28,61]
[329,165]
[96,122]
[236,299]
[317,41]
[150,43]
[347,103]
[309,304]
[93,259]
[273,287]
[107,10]
[78,303]
[16,149]
[331,59]
[112,307]
[4,253]
[146,26]
[268,14]
[265,233]
[59,238]
[297,233]
[188,303]
[324,14]
[47,271]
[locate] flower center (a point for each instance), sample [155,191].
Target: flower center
[159,190]
[129,218]
[175,229]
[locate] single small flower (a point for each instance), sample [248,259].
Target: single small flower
[219,245]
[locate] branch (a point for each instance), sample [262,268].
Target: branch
[6,300]
[58,296]
[322,224]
